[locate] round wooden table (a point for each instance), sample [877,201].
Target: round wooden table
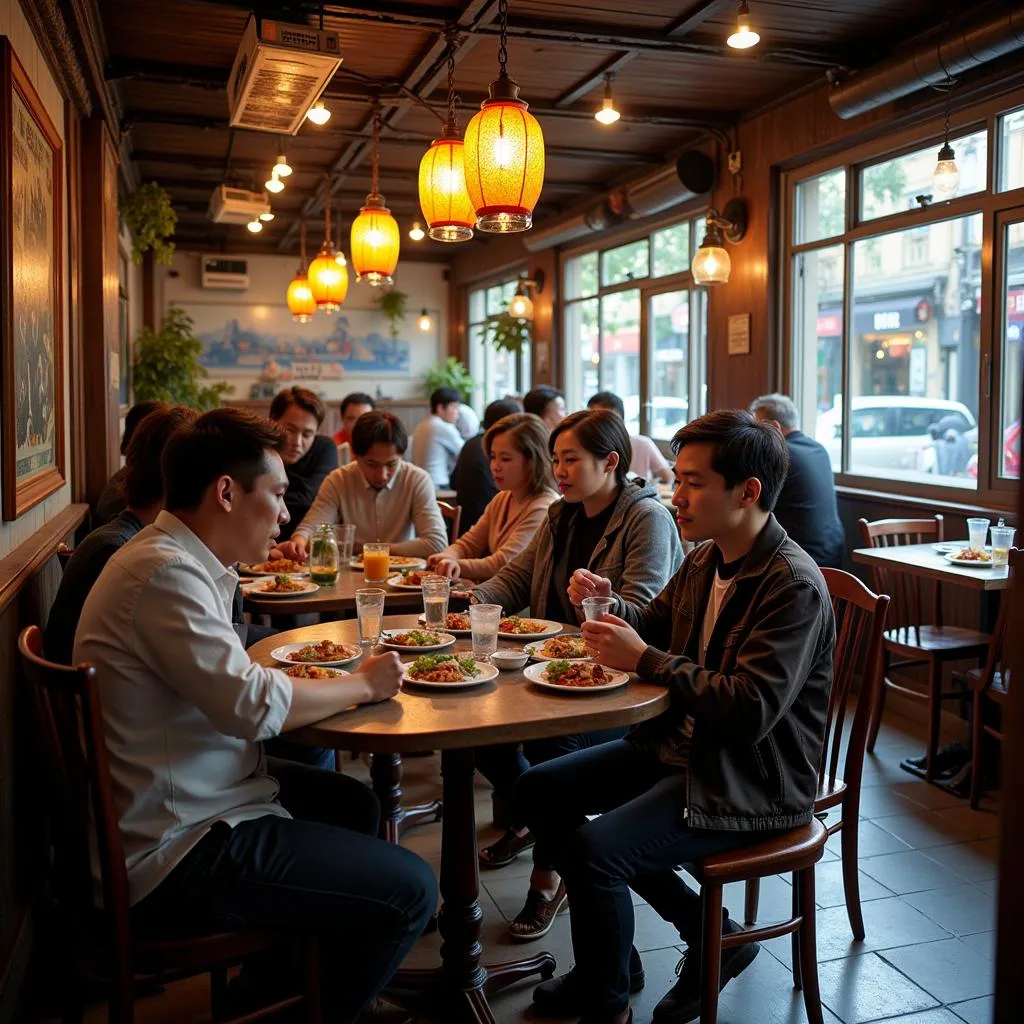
[503,710]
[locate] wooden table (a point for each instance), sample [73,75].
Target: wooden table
[506,709]
[922,560]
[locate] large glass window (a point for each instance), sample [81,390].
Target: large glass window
[1011,150]
[497,372]
[1012,342]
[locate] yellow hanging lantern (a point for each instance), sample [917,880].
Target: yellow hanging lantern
[375,238]
[328,279]
[299,296]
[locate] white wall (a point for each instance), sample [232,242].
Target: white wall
[16,28]
[269,275]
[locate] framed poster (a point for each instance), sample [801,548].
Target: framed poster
[31,293]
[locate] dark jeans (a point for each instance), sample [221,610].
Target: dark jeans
[503,763]
[636,843]
[322,873]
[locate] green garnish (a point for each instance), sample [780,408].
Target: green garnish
[423,639]
[428,662]
[557,669]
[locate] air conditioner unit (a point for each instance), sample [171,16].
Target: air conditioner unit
[223,272]
[230,205]
[280,71]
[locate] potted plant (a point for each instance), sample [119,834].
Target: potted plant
[450,374]
[507,332]
[151,220]
[166,365]
[392,304]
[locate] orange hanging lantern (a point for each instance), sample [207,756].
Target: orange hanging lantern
[299,296]
[328,279]
[504,154]
[375,238]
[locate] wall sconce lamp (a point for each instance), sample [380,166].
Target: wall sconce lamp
[711,263]
[425,322]
[521,306]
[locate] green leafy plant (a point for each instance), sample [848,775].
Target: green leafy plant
[450,374]
[392,304]
[507,332]
[166,366]
[151,220]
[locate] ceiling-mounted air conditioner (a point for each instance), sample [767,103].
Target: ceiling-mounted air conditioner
[280,71]
[224,272]
[230,205]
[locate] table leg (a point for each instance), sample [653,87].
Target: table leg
[386,773]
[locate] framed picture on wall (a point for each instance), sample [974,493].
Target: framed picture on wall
[31,293]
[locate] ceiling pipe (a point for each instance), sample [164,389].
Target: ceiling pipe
[692,175]
[933,62]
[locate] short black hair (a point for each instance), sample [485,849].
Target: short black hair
[357,398]
[378,427]
[143,479]
[607,400]
[303,398]
[742,447]
[537,399]
[221,442]
[599,432]
[499,409]
[134,416]
[443,396]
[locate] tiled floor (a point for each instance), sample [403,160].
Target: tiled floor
[928,870]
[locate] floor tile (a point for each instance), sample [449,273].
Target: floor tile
[980,824]
[865,988]
[828,886]
[982,942]
[908,872]
[990,885]
[650,931]
[881,801]
[960,909]
[949,970]
[924,793]
[924,829]
[775,902]
[940,1015]
[975,862]
[975,1011]
[872,841]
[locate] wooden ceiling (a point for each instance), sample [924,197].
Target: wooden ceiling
[675,80]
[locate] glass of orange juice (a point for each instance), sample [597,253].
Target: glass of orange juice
[376,562]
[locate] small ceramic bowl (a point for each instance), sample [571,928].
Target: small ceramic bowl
[509,659]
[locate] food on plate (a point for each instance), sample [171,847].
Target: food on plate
[457,620]
[278,565]
[416,577]
[325,650]
[311,672]
[282,585]
[514,624]
[576,673]
[442,668]
[565,647]
[973,555]
[415,638]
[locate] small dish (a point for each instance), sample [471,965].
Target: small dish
[509,659]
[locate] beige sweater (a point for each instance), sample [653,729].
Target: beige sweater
[498,535]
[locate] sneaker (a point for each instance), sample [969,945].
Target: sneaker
[538,915]
[682,1001]
[564,996]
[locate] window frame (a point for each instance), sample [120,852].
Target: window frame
[522,359]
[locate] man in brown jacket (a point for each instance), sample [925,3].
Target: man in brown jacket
[742,636]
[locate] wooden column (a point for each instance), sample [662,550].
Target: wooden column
[546,332]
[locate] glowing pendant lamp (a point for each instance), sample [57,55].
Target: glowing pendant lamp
[946,176]
[376,239]
[328,279]
[445,203]
[301,303]
[504,153]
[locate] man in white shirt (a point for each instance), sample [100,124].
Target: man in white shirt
[436,442]
[206,821]
[386,498]
[647,461]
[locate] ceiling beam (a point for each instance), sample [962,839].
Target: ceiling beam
[698,13]
[585,84]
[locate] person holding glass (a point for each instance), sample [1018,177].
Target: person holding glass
[611,526]
[517,449]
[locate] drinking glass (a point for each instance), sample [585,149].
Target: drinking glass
[977,531]
[370,613]
[376,562]
[483,622]
[345,535]
[323,556]
[595,607]
[435,601]
[1002,541]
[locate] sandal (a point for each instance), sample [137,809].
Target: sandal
[506,849]
[537,917]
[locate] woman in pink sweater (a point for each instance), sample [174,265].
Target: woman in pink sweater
[517,447]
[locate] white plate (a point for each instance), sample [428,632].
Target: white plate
[453,632]
[407,562]
[947,546]
[248,570]
[446,641]
[486,672]
[340,672]
[256,590]
[967,563]
[534,650]
[396,582]
[535,673]
[550,629]
[281,654]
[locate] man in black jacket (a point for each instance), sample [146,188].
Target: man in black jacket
[742,637]
[807,506]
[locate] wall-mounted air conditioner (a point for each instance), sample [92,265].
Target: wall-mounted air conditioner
[224,272]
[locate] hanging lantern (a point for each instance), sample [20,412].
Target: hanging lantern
[504,153]
[301,303]
[375,239]
[328,279]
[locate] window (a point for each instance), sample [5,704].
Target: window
[1012,344]
[1011,150]
[626,263]
[123,335]
[497,372]
[820,209]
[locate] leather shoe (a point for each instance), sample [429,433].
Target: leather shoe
[565,995]
[681,1003]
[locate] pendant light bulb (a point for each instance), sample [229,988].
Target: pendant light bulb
[318,113]
[255,225]
[425,323]
[711,263]
[266,216]
[607,114]
[299,296]
[282,168]
[946,176]
[416,232]
[274,183]
[521,306]
[744,37]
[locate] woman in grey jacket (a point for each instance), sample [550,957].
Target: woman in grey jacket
[612,526]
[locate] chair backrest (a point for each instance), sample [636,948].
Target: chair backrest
[344,453]
[452,516]
[71,720]
[994,664]
[907,592]
[860,623]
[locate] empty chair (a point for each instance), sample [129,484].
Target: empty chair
[452,515]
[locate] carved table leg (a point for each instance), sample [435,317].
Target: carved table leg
[386,773]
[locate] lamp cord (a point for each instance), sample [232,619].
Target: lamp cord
[452,123]
[375,155]
[327,210]
[302,246]
[503,38]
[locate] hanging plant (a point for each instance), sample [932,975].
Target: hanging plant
[392,304]
[450,374]
[507,332]
[151,220]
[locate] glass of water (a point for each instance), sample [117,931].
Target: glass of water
[483,622]
[345,535]
[595,607]
[435,601]
[370,613]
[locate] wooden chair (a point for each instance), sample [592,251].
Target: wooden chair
[860,622]
[452,516]
[909,639]
[67,701]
